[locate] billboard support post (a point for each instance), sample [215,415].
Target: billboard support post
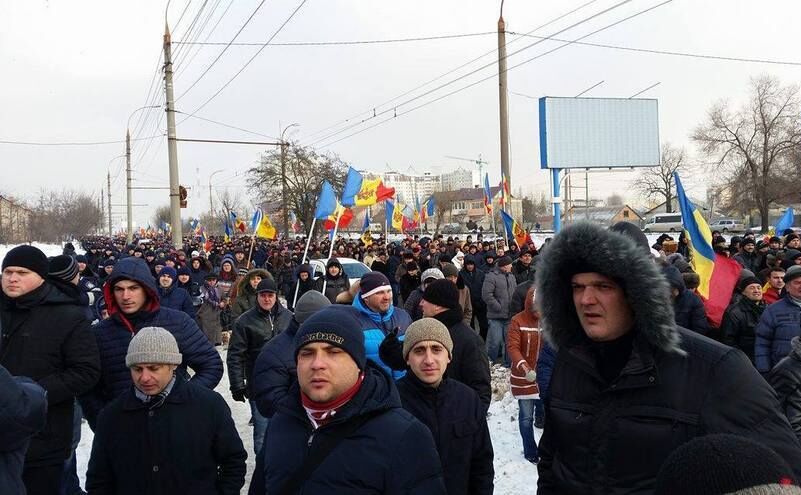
[556,200]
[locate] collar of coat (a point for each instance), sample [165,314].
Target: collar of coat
[584,247]
[176,395]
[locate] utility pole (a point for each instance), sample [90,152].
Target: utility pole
[211,199]
[502,99]
[129,201]
[102,208]
[172,145]
[285,207]
[108,197]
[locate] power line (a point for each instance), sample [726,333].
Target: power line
[280,28]
[350,42]
[474,71]
[180,70]
[72,143]
[451,71]
[206,71]
[493,75]
[226,125]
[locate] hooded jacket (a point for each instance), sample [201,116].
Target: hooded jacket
[300,287]
[611,436]
[245,294]
[114,334]
[177,298]
[688,309]
[333,285]
[46,337]
[523,344]
[390,453]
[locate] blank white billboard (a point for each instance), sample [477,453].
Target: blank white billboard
[598,132]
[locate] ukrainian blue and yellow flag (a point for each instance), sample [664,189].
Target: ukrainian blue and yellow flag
[703,258]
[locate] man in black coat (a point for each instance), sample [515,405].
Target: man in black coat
[474,280]
[741,317]
[451,410]
[348,407]
[254,328]
[165,434]
[46,337]
[629,386]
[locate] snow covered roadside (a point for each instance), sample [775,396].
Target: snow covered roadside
[513,474]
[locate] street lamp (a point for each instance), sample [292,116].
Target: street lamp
[285,208]
[211,201]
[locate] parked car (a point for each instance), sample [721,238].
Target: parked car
[452,228]
[354,269]
[725,225]
[663,222]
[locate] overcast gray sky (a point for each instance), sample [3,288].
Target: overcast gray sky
[74,71]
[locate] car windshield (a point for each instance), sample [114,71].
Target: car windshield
[354,271]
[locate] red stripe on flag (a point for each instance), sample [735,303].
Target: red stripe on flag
[721,286]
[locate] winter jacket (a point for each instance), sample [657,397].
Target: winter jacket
[208,314]
[612,435]
[275,370]
[770,295]
[545,362]
[245,294]
[739,322]
[390,453]
[474,281]
[458,421]
[412,304]
[519,296]
[188,444]
[300,287]
[785,378]
[252,330]
[176,298]
[522,272]
[409,283]
[497,292]
[469,363]
[376,326]
[333,285]
[749,261]
[46,337]
[114,334]
[523,344]
[23,412]
[779,323]
[687,306]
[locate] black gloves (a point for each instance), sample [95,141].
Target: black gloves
[240,395]
[391,351]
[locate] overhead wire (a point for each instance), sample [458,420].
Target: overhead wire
[373,109]
[349,42]
[474,71]
[567,43]
[189,30]
[180,70]
[71,143]
[223,124]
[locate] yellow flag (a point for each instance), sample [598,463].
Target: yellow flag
[397,217]
[367,238]
[266,229]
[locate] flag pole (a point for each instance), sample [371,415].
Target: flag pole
[250,253]
[303,260]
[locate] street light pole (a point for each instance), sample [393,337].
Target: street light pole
[502,99]
[285,208]
[172,145]
[211,200]
[129,199]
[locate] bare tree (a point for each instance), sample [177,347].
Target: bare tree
[657,182]
[754,145]
[64,215]
[306,169]
[162,216]
[444,201]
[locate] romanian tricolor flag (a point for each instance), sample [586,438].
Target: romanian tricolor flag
[227,236]
[487,195]
[359,191]
[514,230]
[238,224]
[504,192]
[718,274]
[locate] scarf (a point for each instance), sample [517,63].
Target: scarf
[794,299]
[320,413]
[211,294]
[157,400]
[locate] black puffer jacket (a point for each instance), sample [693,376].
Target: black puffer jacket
[458,421]
[785,378]
[688,309]
[252,330]
[739,322]
[611,435]
[333,285]
[46,337]
[474,280]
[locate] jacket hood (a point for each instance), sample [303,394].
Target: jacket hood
[244,284]
[136,269]
[528,305]
[584,248]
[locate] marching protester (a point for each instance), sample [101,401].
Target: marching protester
[499,286]
[779,323]
[138,435]
[742,317]
[342,425]
[628,385]
[772,291]
[451,410]
[246,291]
[334,281]
[412,303]
[209,311]
[171,295]
[45,337]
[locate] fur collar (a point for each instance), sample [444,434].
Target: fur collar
[585,247]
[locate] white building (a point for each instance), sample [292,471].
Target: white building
[460,179]
[409,187]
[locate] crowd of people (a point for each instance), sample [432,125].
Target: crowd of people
[381,383]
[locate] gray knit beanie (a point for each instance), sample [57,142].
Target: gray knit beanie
[426,329]
[153,345]
[308,304]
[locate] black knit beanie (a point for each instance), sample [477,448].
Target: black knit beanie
[337,325]
[724,464]
[443,293]
[29,257]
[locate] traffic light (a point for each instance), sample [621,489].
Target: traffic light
[182,196]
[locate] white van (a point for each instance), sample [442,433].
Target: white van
[663,222]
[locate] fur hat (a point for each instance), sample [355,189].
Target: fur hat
[25,256]
[584,247]
[337,325]
[153,345]
[426,329]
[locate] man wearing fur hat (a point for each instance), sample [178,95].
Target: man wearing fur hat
[628,385]
[46,337]
[165,434]
[341,428]
[451,410]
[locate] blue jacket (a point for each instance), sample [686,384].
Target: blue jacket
[377,326]
[780,322]
[275,370]
[545,363]
[23,412]
[114,334]
[391,453]
[176,298]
